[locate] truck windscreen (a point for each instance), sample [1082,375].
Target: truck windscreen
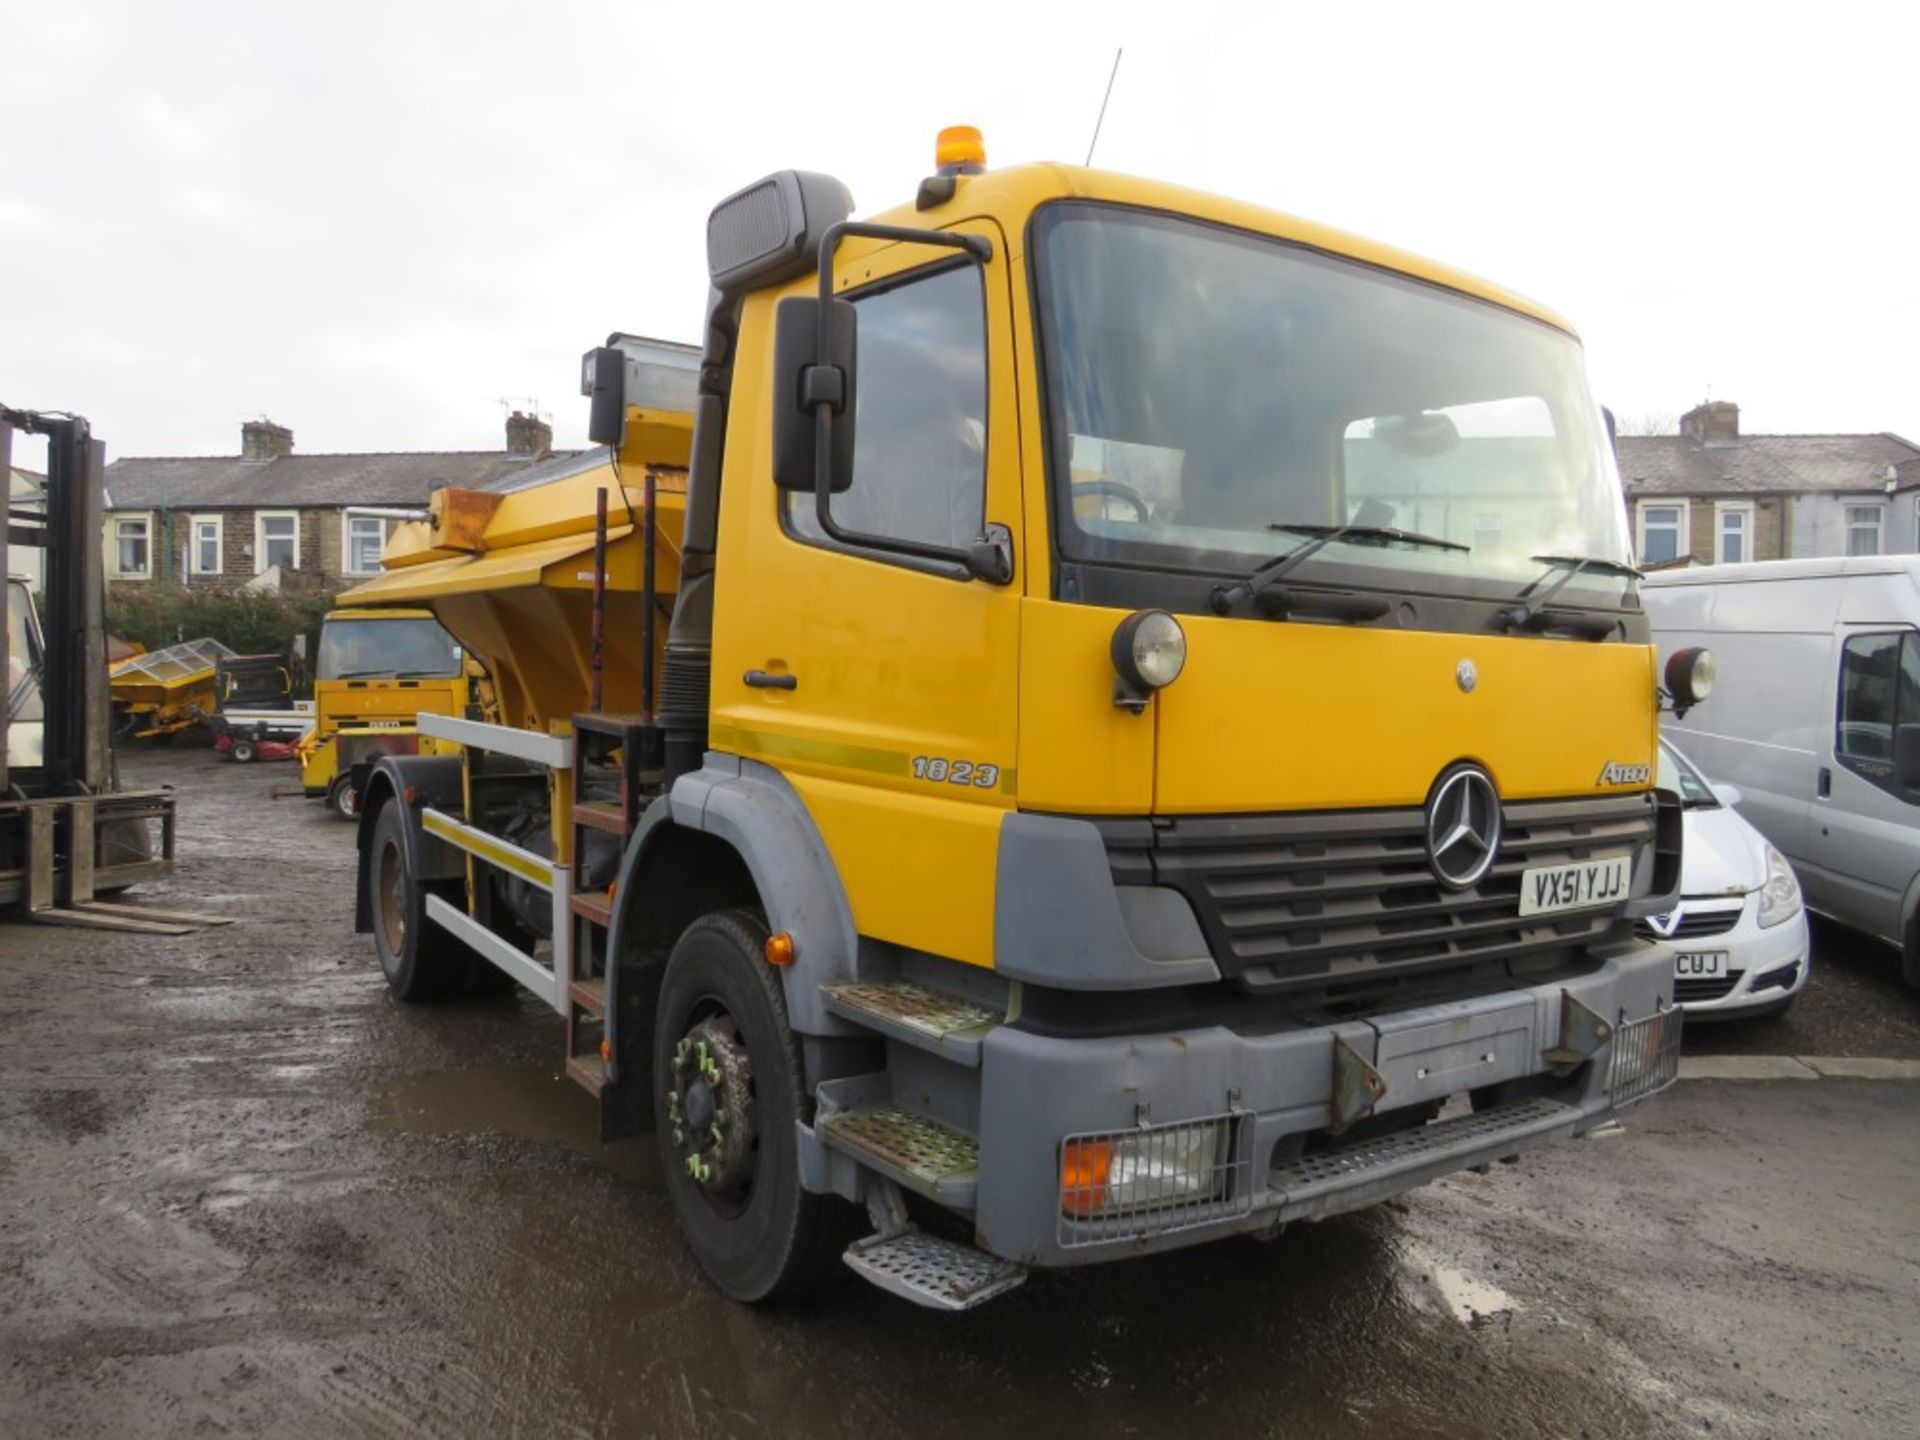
[1210,387]
[370,649]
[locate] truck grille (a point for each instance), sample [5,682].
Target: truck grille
[1293,899]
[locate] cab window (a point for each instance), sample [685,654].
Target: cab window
[1879,692]
[920,416]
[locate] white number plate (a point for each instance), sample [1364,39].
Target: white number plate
[1700,965]
[1573,887]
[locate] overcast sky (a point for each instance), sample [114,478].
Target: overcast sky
[374,222]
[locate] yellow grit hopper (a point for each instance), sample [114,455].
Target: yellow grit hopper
[511,573]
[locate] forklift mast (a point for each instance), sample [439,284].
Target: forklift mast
[68,833]
[75,754]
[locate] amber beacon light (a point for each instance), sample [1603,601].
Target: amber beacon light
[959,150]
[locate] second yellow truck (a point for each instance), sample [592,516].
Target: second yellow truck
[377,671]
[1120,714]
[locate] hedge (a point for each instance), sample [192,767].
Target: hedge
[250,622]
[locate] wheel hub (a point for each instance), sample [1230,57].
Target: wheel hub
[710,1106]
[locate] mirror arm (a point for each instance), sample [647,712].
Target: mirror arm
[989,566]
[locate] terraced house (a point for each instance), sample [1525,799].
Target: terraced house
[1711,495]
[271,516]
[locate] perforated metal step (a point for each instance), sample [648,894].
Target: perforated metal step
[943,1024]
[939,1274]
[910,1149]
[1347,1177]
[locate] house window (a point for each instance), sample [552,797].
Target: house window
[207,557]
[1863,529]
[366,535]
[132,539]
[1663,532]
[1733,525]
[276,540]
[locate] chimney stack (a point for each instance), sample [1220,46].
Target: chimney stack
[528,435]
[1712,422]
[263,440]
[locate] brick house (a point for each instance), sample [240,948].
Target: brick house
[1710,495]
[230,519]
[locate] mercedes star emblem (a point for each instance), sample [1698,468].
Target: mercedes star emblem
[1463,827]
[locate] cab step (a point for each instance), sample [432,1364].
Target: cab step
[947,1026]
[910,1149]
[587,1071]
[598,816]
[589,996]
[928,1270]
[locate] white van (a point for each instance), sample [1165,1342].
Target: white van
[1815,719]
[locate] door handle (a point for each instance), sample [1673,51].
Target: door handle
[1823,783]
[766,680]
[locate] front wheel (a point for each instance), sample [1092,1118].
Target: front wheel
[420,960]
[242,750]
[728,1089]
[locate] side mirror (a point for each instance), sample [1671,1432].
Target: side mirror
[1728,795]
[1613,430]
[1906,757]
[300,645]
[801,383]
[603,380]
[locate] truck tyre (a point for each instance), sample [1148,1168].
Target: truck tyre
[723,1056]
[420,960]
[342,799]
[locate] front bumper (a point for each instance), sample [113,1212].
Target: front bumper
[1765,967]
[1265,1095]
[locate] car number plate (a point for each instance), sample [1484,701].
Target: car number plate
[1700,965]
[1548,888]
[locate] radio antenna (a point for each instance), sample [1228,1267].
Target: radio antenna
[1103,104]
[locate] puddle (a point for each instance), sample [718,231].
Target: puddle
[1467,1298]
[530,1102]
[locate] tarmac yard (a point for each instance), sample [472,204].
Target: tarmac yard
[243,1192]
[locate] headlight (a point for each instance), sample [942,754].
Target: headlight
[1161,1168]
[1149,650]
[1780,896]
[1689,677]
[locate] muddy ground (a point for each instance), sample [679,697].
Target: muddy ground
[242,1192]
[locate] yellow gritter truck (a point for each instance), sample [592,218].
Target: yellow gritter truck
[1084,719]
[377,670]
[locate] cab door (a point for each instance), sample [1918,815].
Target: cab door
[883,686]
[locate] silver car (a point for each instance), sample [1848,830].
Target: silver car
[1739,933]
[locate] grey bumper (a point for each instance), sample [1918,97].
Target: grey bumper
[1259,1093]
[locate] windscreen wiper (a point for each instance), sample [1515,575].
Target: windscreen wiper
[1532,613]
[1225,597]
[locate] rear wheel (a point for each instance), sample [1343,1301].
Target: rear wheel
[420,960]
[343,799]
[1910,955]
[728,1088]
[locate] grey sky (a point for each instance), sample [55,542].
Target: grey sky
[374,221]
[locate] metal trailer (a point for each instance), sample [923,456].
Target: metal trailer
[68,834]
